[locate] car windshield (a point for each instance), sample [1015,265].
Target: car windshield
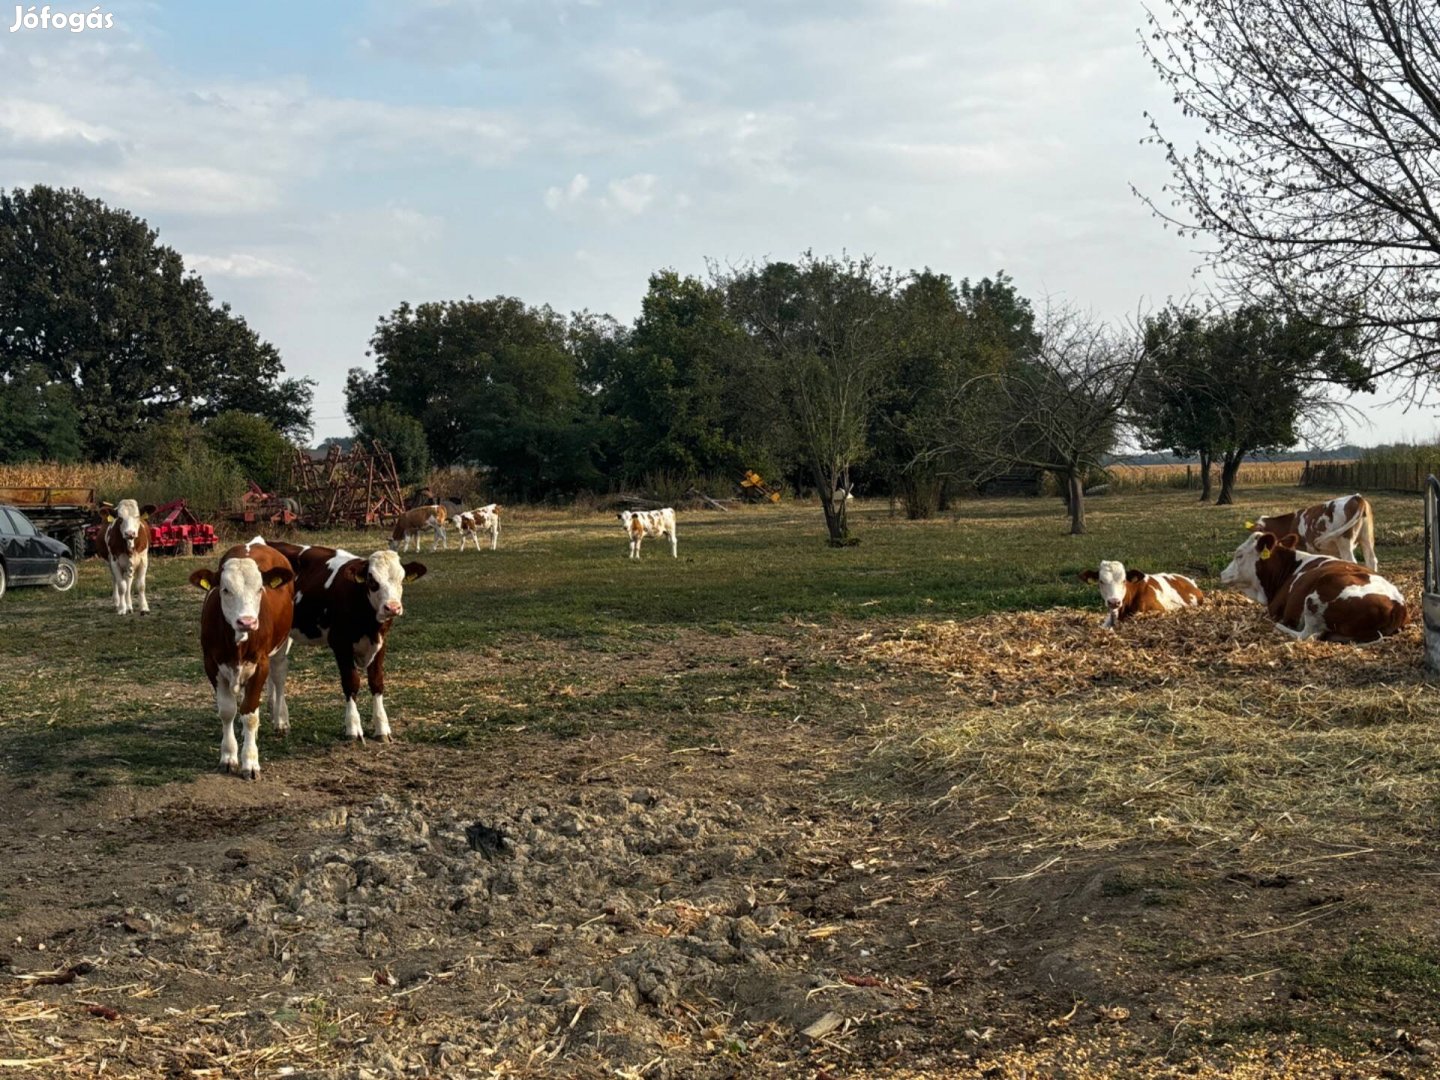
[17,522]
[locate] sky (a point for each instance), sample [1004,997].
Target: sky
[320,163]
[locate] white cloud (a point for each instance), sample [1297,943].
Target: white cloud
[245,265]
[627,196]
[633,194]
[569,195]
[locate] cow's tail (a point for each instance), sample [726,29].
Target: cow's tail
[1367,537]
[1347,526]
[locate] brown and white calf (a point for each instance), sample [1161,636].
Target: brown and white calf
[482,519]
[125,544]
[639,524]
[410,524]
[349,603]
[1328,528]
[245,639]
[1133,592]
[1315,596]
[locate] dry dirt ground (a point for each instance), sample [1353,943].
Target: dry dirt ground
[1007,846]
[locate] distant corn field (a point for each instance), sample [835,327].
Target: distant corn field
[105,477]
[1182,476]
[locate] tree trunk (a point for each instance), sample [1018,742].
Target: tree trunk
[1075,488]
[1229,470]
[834,508]
[921,492]
[1206,461]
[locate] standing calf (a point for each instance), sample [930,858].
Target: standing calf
[349,603]
[125,543]
[1328,528]
[410,524]
[639,524]
[482,519]
[245,638]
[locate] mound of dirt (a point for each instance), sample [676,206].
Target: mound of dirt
[634,929]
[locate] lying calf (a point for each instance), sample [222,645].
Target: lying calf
[1315,596]
[1131,592]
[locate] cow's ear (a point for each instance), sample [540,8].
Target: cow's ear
[1290,540]
[414,570]
[1089,575]
[279,577]
[146,511]
[358,574]
[1134,575]
[204,578]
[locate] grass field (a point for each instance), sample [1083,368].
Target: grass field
[997,839]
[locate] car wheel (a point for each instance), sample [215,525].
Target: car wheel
[64,579]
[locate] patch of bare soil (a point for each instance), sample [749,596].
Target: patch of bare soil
[616,906]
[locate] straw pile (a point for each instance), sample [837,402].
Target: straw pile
[1202,727]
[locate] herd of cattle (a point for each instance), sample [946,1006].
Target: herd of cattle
[1300,565]
[265,596]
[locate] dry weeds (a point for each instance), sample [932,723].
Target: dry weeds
[1206,727]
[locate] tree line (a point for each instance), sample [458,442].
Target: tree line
[830,373]
[837,373]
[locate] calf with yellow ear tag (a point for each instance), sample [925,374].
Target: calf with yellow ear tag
[245,622]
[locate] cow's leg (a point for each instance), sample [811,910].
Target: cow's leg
[375,673]
[279,670]
[350,686]
[674,545]
[141,563]
[115,586]
[127,587]
[441,540]
[250,717]
[225,705]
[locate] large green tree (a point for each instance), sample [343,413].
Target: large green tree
[677,391]
[91,298]
[1227,384]
[38,418]
[946,337]
[493,383]
[825,329]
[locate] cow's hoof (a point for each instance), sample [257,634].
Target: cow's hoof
[250,772]
[231,767]
[385,738]
[358,737]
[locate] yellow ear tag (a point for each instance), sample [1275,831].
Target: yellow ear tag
[1267,553]
[1249,524]
[276,582]
[205,584]
[109,517]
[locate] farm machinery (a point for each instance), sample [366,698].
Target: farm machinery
[755,488]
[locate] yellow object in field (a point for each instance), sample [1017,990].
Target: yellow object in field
[753,482]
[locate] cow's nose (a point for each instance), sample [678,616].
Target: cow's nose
[394,607]
[247,622]
[1112,603]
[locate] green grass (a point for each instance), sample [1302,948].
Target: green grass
[492,640]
